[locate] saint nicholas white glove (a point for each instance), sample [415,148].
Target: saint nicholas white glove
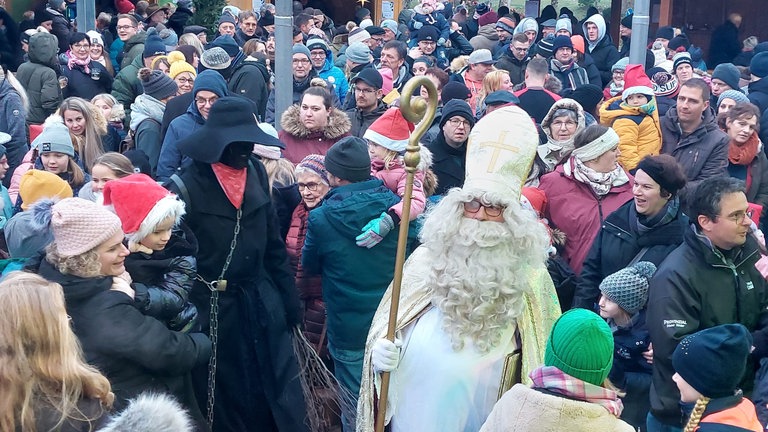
[385,355]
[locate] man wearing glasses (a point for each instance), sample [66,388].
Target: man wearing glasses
[366,89]
[133,40]
[708,280]
[322,60]
[449,148]
[516,58]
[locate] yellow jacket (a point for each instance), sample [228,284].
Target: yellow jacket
[639,133]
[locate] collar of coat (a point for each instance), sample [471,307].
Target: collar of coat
[338,124]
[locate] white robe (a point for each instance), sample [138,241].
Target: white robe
[438,389]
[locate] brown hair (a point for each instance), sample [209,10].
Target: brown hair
[318,87]
[120,165]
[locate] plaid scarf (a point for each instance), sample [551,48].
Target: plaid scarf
[554,380]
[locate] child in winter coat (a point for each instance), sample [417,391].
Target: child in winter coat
[387,138]
[429,12]
[634,116]
[162,262]
[709,365]
[622,304]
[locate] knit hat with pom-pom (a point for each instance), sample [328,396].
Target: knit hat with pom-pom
[157,84]
[179,64]
[141,204]
[78,225]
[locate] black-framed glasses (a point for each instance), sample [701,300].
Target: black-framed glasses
[459,122]
[312,186]
[365,91]
[490,209]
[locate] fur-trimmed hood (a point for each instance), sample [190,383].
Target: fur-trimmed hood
[151,412]
[338,124]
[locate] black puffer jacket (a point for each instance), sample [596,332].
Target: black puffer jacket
[250,78]
[135,352]
[695,288]
[616,245]
[164,279]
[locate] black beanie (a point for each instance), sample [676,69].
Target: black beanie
[456,107]
[627,21]
[348,159]
[713,360]
[660,169]
[666,32]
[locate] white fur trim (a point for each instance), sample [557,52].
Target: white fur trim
[167,206]
[643,90]
[151,413]
[384,141]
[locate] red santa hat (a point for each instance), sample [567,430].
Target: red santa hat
[391,130]
[636,82]
[141,204]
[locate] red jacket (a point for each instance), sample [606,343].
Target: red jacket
[310,287]
[576,210]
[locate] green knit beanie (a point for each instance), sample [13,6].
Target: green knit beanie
[581,345]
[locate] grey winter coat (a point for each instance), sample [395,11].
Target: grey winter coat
[12,122]
[39,78]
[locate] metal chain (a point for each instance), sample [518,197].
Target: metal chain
[214,319]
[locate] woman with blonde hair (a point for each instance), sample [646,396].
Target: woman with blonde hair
[45,381]
[89,130]
[493,81]
[112,110]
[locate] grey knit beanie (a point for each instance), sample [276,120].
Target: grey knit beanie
[628,287]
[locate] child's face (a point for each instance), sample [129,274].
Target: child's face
[688,394]
[376,151]
[609,308]
[428,6]
[55,162]
[159,238]
[637,100]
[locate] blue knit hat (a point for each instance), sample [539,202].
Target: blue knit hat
[212,81]
[759,65]
[736,95]
[153,46]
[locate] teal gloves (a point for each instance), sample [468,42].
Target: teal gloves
[375,231]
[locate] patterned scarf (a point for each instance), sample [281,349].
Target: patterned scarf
[72,62]
[615,89]
[601,183]
[555,380]
[232,181]
[744,154]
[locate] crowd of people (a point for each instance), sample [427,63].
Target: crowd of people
[585,247]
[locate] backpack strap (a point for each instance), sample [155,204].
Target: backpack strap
[182,189]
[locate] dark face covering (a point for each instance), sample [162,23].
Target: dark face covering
[236,154]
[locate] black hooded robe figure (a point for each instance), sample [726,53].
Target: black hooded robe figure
[257,383]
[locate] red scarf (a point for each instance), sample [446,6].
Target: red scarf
[232,181]
[745,153]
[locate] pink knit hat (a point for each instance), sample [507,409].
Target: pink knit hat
[78,225]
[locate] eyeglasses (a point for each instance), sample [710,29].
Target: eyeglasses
[312,186]
[300,61]
[318,54]
[428,43]
[740,216]
[187,81]
[563,124]
[378,40]
[365,91]
[81,46]
[520,49]
[458,122]
[618,72]
[125,27]
[203,101]
[490,210]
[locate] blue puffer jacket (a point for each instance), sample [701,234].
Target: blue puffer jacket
[630,371]
[335,76]
[181,127]
[353,278]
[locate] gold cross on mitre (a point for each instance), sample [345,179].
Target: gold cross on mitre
[362,2]
[500,151]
